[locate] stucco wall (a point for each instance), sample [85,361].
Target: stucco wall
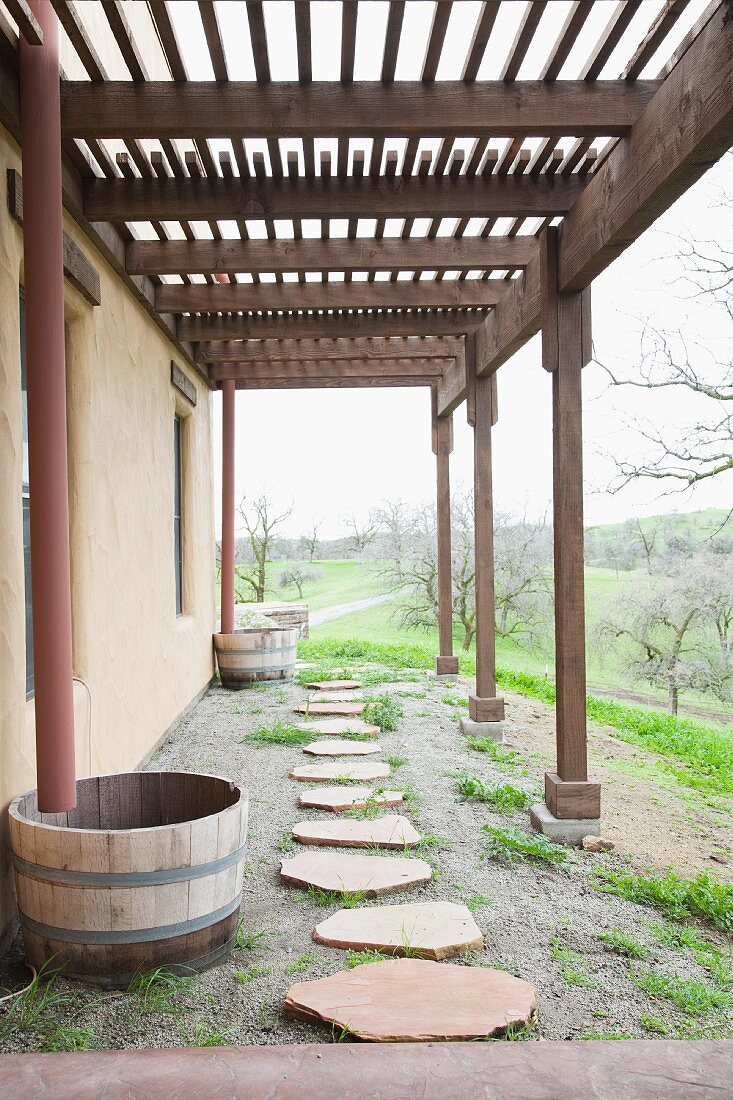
[142,664]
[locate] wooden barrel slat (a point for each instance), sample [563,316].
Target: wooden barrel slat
[158,883]
[249,655]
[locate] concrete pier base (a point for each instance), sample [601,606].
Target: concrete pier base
[562,830]
[494,730]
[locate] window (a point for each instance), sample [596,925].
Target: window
[29,671]
[177,519]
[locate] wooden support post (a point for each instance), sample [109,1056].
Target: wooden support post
[227,508]
[445,663]
[484,705]
[47,442]
[566,348]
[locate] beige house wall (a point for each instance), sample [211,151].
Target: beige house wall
[141,663]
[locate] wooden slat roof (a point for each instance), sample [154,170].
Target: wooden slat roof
[405,204]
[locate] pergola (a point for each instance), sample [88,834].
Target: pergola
[544,180]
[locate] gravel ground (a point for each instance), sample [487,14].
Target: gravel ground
[530,910]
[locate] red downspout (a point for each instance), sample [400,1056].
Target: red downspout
[227,508]
[46,373]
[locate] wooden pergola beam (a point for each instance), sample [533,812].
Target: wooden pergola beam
[686,127]
[362,254]
[279,351]
[344,369]
[233,297]
[452,387]
[319,325]
[211,109]
[135,200]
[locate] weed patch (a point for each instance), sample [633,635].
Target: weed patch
[693,997]
[384,711]
[622,944]
[513,845]
[676,897]
[502,797]
[158,990]
[278,734]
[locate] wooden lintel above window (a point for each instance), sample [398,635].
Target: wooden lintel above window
[77,268]
[183,383]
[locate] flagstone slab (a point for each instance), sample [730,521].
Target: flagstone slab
[414,1000]
[340,769]
[345,710]
[434,929]
[341,748]
[336,726]
[336,697]
[391,831]
[334,685]
[350,873]
[338,799]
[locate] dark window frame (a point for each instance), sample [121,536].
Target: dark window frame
[178,511]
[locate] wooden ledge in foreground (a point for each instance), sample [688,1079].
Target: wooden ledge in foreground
[642,1069]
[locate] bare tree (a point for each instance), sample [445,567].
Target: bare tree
[646,536]
[679,630]
[296,577]
[260,522]
[362,534]
[684,455]
[463,565]
[311,540]
[522,577]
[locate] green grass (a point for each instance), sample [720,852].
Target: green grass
[384,711]
[70,1039]
[203,1035]
[28,1009]
[360,958]
[252,972]
[620,943]
[493,750]
[158,990]
[280,733]
[514,846]
[502,797]
[396,762]
[676,897]
[570,965]
[477,902]
[302,963]
[696,998]
[346,899]
[717,961]
[248,941]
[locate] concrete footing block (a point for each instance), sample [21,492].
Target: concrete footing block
[562,830]
[494,730]
[443,677]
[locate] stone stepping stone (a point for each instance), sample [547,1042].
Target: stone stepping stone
[434,929]
[340,769]
[413,1000]
[391,831]
[338,799]
[334,685]
[336,697]
[345,710]
[337,726]
[340,748]
[349,873]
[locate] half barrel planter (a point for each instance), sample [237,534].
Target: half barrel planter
[252,654]
[146,871]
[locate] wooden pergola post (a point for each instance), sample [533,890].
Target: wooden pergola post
[445,663]
[227,507]
[566,348]
[484,707]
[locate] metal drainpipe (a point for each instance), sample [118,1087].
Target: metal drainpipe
[227,508]
[46,374]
